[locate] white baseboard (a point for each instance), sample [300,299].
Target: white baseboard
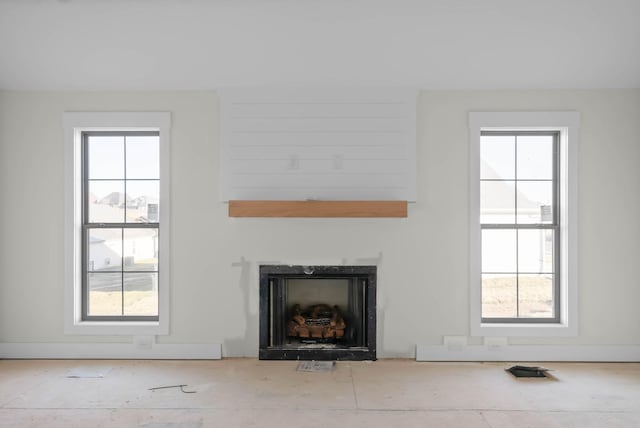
[124,351]
[577,353]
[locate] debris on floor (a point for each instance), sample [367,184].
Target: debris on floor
[316,366]
[527,371]
[171,425]
[89,372]
[182,386]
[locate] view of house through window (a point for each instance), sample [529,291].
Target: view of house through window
[121,212]
[519,216]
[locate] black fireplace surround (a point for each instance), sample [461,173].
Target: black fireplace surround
[356,285]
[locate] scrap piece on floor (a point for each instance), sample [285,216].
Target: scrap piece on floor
[89,372]
[171,425]
[316,366]
[182,386]
[527,371]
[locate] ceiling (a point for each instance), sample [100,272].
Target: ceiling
[206,44]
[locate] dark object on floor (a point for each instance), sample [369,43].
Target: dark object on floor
[525,371]
[173,386]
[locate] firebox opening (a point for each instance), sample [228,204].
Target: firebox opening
[319,312]
[315,311]
[324,313]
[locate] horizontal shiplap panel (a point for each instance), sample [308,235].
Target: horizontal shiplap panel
[316,124]
[318,152]
[311,180]
[326,138]
[337,165]
[327,143]
[336,194]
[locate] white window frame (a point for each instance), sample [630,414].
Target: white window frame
[74,124]
[567,123]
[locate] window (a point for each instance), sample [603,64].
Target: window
[117,209]
[519,218]
[523,223]
[120,225]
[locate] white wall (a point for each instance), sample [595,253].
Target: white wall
[423,279]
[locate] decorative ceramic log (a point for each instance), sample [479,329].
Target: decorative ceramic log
[317,321]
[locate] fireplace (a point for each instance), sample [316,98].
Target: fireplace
[317,312]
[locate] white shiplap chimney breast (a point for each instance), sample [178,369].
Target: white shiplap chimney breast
[324,144]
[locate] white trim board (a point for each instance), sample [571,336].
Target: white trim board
[74,123]
[147,351]
[567,123]
[575,353]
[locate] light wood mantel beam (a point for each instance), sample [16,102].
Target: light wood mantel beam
[317,208]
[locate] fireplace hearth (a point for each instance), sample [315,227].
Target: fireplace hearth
[317,312]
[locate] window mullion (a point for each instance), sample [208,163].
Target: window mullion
[122,225]
[84,283]
[517,274]
[515,199]
[525,226]
[556,219]
[84,182]
[122,269]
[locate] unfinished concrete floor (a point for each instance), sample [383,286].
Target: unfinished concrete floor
[252,393]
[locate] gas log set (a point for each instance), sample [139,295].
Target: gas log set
[316,322]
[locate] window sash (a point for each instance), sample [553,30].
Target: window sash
[554,226]
[87,225]
[556,279]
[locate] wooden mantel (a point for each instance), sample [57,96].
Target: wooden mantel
[317,208]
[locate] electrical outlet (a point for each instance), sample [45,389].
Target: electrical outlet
[143,342]
[294,162]
[495,343]
[337,161]
[455,343]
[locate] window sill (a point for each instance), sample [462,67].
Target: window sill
[117,328]
[524,330]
